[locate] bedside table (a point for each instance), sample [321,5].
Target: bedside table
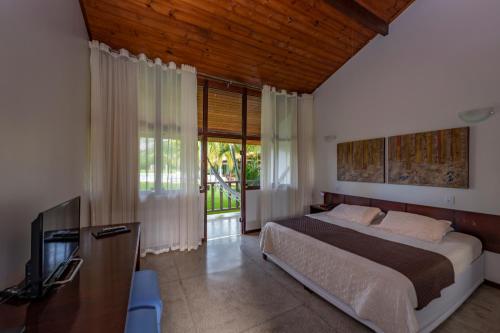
[317,209]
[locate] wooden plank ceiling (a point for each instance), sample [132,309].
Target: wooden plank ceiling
[290,44]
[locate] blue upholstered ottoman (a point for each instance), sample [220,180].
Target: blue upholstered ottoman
[142,320]
[146,293]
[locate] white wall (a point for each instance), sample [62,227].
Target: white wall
[440,57]
[44,118]
[253,210]
[492,266]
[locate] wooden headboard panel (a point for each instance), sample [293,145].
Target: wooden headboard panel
[434,212]
[360,201]
[386,206]
[486,227]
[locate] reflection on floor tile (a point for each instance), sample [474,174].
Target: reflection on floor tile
[298,320]
[236,299]
[226,286]
[223,225]
[480,313]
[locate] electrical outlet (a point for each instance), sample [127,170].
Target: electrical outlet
[450,200]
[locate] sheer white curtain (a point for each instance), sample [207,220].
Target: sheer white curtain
[144,148]
[113,136]
[168,147]
[278,179]
[305,153]
[286,179]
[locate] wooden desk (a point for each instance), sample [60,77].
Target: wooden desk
[95,301]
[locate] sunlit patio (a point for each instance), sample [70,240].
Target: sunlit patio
[223,225]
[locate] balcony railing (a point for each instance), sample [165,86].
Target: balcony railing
[219,200]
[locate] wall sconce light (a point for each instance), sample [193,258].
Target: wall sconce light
[476,115]
[330,138]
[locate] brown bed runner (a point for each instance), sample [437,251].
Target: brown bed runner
[428,271]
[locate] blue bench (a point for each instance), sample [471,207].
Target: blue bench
[142,320]
[146,295]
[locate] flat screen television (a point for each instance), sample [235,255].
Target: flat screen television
[55,239]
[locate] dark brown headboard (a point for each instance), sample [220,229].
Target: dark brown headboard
[486,227]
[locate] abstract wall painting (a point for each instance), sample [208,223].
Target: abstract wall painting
[361,161]
[437,158]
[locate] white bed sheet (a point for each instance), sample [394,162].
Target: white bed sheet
[375,292]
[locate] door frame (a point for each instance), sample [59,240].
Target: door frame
[243,176]
[205,133]
[204,156]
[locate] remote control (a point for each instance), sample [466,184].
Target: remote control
[110,231]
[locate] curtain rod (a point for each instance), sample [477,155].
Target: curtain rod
[241,84]
[218,78]
[207,76]
[204,75]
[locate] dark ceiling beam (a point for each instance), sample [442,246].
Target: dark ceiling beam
[360,14]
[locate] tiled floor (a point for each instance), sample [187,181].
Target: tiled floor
[223,225]
[225,286]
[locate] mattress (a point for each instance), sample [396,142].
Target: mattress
[375,292]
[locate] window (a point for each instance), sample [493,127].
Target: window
[253,116]
[199,105]
[200,159]
[253,142]
[253,165]
[224,111]
[168,163]
[146,164]
[286,128]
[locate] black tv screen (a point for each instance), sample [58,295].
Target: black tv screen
[61,236]
[55,238]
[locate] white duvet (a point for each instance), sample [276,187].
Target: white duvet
[375,292]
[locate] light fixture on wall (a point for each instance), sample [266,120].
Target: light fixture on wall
[476,115]
[330,138]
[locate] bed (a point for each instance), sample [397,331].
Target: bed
[378,296]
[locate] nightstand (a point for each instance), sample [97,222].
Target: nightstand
[318,208]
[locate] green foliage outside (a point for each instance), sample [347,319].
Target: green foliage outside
[221,156]
[225,201]
[253,165]
[225,158]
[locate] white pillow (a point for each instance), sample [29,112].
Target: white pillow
[416,226]
[359,214]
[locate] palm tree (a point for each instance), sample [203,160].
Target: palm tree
[217,154]
[220,152]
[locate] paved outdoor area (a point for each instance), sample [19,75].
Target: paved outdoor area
[223,225]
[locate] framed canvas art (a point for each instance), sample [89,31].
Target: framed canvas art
[361,161]
[437,158]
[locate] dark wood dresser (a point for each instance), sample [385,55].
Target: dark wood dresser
[95,301]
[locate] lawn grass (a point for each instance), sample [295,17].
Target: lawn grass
[225,203]
[225,200]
